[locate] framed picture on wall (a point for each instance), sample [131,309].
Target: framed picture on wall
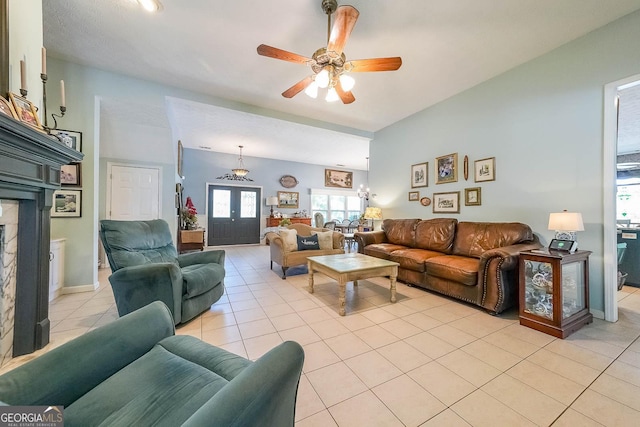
[339,179]
[447,168]
[67,204]
[70,138]
[472,196]
[446,202]
[288,199]
[414,196]
[419,176]
[70,174]
[485,169]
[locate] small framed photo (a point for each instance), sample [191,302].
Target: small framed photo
[419,176]
[288,199]
[485,169]
[7,109]
[414,196]
[70,174]
[67,204]
[25,111]
[70,138]
[472,196]
[339,179]
[447,168]
[446,202]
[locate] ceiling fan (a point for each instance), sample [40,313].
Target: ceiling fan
[329,63]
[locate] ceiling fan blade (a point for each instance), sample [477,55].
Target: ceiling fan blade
[344,21]
[274,52]
[298,87]
[374,64]
[346,96]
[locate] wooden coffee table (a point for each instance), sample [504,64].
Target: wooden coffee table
[352,267]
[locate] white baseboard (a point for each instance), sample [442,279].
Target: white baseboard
[76,289]
[598,314]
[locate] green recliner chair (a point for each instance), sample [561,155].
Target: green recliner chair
[136,372]
[146,267]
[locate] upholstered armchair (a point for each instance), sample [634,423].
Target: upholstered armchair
[136,372]
[286,252]
[146,267]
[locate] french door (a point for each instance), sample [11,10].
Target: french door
[233,215]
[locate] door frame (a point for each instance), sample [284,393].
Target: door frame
[610,153]
[219,184]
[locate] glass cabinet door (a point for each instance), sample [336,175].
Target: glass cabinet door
[573,295]
[539,288]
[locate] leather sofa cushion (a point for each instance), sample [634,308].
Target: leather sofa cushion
[436,234]
[200,278]
[382,250]
[452,267]
[475,238]
[400,231]
[413,259]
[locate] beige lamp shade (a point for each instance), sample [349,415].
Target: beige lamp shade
[373,213]
[272,201]
[566,221]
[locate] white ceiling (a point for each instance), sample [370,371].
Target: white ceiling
[210,47]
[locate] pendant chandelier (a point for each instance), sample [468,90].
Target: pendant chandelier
[239,173]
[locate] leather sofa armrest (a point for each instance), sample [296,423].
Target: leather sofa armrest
[364,238]
[136,286]
[66,373]
[509,254]
[204,257]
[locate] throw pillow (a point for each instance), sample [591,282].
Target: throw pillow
[308,243]
[325,238]
[289,239]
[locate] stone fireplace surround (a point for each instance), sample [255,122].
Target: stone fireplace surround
[30,164]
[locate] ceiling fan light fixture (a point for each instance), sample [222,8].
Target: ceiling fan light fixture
[332,95]
[347,82]
[322,78]
[312,90]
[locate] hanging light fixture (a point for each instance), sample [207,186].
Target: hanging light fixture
[239,173]
[362,192]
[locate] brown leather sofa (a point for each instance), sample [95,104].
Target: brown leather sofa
[286,257]
[476,262]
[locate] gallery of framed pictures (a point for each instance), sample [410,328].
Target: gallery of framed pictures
[337,178]
[70,138]
[67,204]
[446,202]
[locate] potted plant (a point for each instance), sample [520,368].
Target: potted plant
[189,216]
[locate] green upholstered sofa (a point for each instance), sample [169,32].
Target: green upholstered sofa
[146,267]
[136,372]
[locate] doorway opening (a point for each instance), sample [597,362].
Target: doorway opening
[233,214]
[610,175]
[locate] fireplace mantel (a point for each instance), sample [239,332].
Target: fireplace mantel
[30,164]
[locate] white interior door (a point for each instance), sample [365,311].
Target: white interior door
[133,193]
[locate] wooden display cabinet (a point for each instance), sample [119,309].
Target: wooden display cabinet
[554,291]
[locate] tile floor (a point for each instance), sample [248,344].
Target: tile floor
[423,361]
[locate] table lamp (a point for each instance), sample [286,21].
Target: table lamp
[272,201]
[566,224]
[372,213]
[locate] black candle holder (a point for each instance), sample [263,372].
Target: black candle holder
[63,109]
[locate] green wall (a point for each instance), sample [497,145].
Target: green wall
[542,121]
